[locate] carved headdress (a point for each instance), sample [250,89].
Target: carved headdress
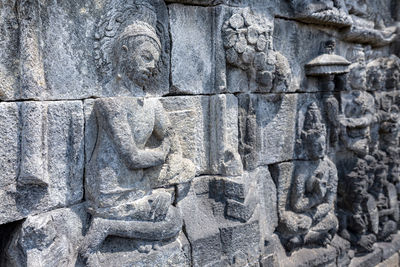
[313,127]
[126,18]
[140,28]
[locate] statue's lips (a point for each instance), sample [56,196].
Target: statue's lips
[141,75]
[144,74]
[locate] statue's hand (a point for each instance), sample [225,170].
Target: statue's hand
[322,211]
[367,242]
[147,158]
[159,206]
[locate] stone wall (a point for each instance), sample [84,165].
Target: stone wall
[199,133]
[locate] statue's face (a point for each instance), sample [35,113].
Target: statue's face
[358,78]
[316,149]
[359,189]
[144,59]
[139,57]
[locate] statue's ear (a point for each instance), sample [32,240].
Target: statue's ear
[124,48]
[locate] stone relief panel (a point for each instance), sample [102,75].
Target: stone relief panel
[260,116]
[333,12]
[135,152]
[307,189]
[193,60]
[199,133]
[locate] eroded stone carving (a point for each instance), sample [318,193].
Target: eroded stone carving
[230,208]
[307,210]
[326,68]
[33,83]
[247,39]
[134,152]
[270,148]
[358,213]
[358,109]
[113,61]
[332,12]
[367,31]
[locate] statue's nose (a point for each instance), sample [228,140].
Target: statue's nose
[151,65]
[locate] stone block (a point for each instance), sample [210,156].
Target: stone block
[371,259]
[192,58]
[9,65]
[290,41]
[189,117]
[393,261]
[129,252]
[198,62]
[224,156]
[48,239]
[241,211]
[390,248]
[201,230]
[241,242]
[235,190]
[262,120]
[43,148]
[10,129]
[311,257]
[268,200]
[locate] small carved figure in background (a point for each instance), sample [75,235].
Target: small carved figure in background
[358,108]
[358,213]
[311,218]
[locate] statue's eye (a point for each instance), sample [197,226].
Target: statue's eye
[147,57]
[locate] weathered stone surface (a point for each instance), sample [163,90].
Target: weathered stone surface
[48,239]
[393,261]
[371,259]
[224,156]
[260,117]
[193,62]
[288,40]
[390,248]
[123,252]
[311,257]
[9,64]
[190,118]
[51,172]
[199,133]
[215,239]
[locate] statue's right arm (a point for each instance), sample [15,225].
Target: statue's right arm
[112,118]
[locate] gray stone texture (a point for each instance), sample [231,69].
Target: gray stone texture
[199,133]
[49,239]
[43,157]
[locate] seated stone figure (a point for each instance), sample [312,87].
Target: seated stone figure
[134,149]
[310,218]
[385,196]
[358,213]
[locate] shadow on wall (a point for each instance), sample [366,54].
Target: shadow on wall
[6,233]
